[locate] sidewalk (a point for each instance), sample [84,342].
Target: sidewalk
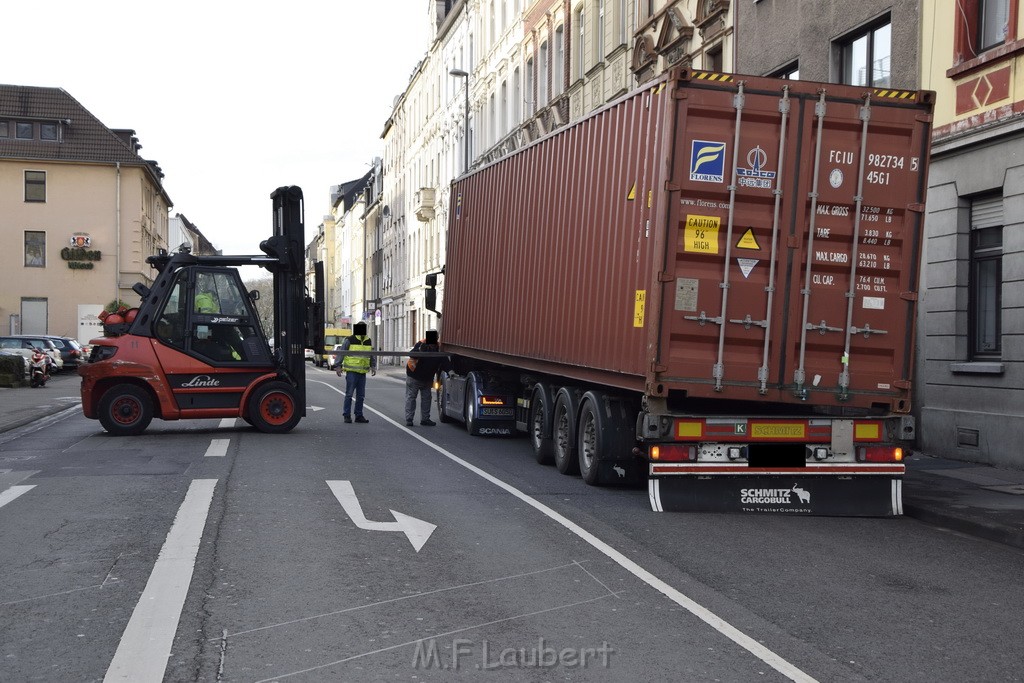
[978,500]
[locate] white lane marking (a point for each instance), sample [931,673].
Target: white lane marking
[218,448]
[146,643]
[227,423]
[13,492]
[416,530]
[703,613]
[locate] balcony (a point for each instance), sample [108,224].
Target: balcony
[424,203]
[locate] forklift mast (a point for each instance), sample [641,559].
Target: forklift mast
[298,318]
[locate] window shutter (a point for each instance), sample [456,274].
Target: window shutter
[987,213]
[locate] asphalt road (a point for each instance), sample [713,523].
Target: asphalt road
[206,551]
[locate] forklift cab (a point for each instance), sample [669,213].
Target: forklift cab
[208,315]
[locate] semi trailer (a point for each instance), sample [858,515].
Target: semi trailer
[709,284]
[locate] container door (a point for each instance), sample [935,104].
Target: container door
[793,243]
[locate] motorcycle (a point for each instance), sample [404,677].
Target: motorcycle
[39,369]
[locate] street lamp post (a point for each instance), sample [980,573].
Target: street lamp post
[459,73]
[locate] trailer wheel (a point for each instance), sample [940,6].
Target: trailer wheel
[563,432]
[273,408]
[471,423]
[125,410]
[442,401]
[540,425]
[603,437]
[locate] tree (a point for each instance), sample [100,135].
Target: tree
[265,305]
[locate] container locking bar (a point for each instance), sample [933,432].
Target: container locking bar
[800,373]
[719,369]
[762,372]
[858,200]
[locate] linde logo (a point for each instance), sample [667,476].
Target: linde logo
[774,496]
[201,381]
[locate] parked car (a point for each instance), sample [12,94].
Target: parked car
[70,350]
[310,355]
[26,342]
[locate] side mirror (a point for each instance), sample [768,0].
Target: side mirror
[254,295]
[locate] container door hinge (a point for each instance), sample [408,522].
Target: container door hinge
[793,242]
[908,296]
[903,384]
[916,207]
[671,187]
[666,277]
[655,368]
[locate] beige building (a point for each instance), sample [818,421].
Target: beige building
[970,369]
[80,211]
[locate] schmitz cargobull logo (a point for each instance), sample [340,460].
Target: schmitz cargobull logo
[200,381]
[775,496]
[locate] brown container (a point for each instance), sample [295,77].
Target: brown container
[660,245]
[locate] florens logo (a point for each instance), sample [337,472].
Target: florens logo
[707,161]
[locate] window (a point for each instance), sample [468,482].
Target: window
[558,75]
[866,57]
[35,186]
[599,32]
[542,75]
[35,249]
[986,278]
[23,131]
[517,97]
[530,101]
[790,72]
[713,59]
[992,23]
[47,131]
[3,129]
[622,22]
[580,33]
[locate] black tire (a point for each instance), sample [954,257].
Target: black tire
[442,399]
[563,432]
[273,408]
[470,408]
[125,410]
[603,435]
[539,425]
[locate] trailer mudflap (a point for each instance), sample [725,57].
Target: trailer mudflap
[876,495]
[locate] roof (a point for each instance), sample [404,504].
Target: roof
[82,138]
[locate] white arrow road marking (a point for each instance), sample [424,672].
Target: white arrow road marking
[416,530]
[314,408]
[15,491]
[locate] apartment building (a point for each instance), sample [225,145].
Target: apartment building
[970,382]
[81,209]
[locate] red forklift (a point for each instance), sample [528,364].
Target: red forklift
[196,348]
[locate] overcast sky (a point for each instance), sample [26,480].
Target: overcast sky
[232,98]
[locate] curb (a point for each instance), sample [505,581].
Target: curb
[984,529]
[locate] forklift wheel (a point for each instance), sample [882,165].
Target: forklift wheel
[273,408]
[125,410]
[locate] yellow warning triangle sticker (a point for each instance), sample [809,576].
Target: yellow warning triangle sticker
[748,241]
[631,195]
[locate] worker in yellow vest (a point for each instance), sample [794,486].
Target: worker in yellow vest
[355,369]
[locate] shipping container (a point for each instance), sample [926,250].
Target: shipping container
[727,263]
